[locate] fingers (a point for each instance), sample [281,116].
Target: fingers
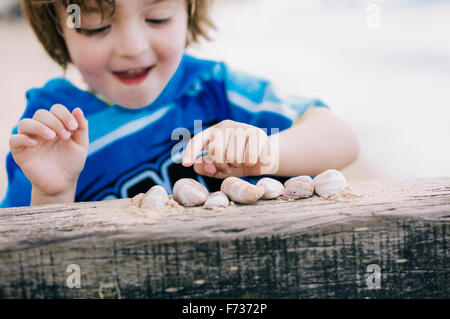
[81,135]
[236,146]
[57,122]
[52,121]
[257,140]
[195,146]
[270,156]
[19,141]
[251,150]
[35,128]
[66,118]
[217,158]
[205,167]
[229,144]
[218,147]
[202,139]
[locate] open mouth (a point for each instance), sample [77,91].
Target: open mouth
[132,76]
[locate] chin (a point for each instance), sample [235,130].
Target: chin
[134,103]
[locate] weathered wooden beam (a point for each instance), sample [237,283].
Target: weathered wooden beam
[276,249]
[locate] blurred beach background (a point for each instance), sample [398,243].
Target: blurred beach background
[383,66]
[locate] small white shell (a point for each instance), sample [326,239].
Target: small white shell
[298,187]
[216,200]
[241,191]
[272,187]
[330,183]
[188,192]
[156,197]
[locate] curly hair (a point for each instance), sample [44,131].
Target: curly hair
[43,19]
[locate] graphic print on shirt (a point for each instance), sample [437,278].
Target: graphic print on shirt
[161,172]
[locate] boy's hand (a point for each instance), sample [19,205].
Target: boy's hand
[235,149]
[50,157]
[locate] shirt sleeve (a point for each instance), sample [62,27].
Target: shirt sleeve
[18,193]
[258,102]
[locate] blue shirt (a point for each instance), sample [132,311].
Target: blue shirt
[130,150]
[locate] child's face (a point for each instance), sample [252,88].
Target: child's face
[130,57]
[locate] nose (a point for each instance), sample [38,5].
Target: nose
[131,41]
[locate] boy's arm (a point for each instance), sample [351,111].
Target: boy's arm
[320,141]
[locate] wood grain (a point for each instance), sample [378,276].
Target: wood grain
[279,249]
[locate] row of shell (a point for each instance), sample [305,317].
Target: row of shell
[189,193]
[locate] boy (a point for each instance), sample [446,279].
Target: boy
[132,53]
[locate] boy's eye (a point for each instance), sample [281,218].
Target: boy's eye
[89,32]
[158,21]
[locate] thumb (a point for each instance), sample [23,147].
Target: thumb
[81,135]
[205,167]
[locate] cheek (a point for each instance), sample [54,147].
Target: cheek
[90,57]
[171,43]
